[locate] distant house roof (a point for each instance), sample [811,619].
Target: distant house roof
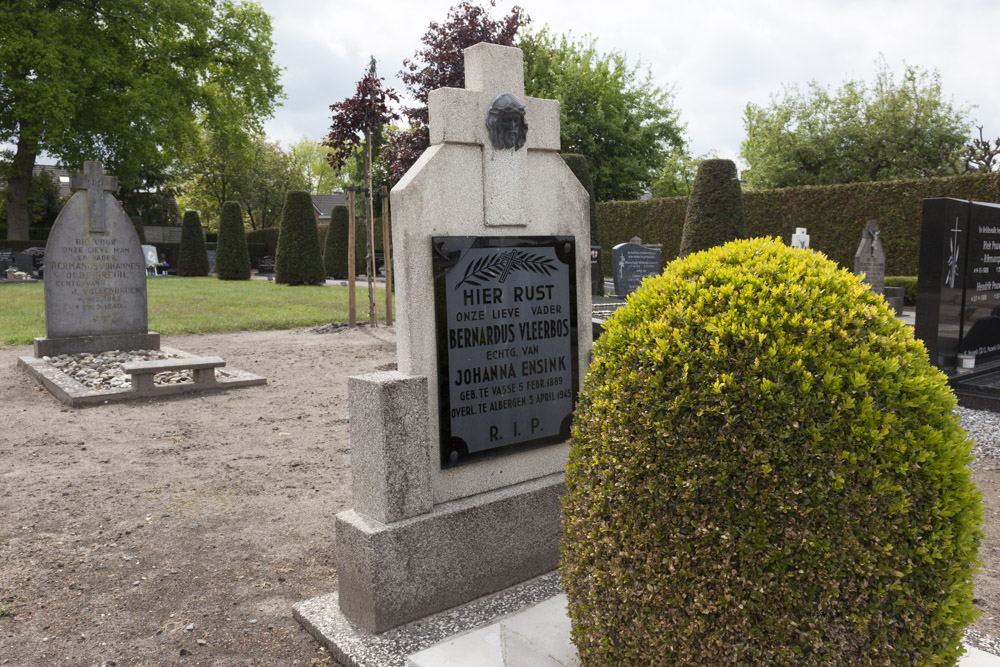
[324,204]
[59,176]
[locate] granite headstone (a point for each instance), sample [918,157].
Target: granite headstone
[870,258]
[958,285]
[632,262]
[95,287]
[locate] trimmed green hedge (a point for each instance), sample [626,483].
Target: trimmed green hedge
[833,214]
[268,237]
[909,285]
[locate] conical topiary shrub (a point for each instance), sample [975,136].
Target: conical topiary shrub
[765,469]
[193,259]
[298,260]
[715,208]
[232,258]
[335,253]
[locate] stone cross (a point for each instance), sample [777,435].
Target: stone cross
[458,116]
[96,183]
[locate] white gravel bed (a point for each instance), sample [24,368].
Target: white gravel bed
[984,428]
[103,371]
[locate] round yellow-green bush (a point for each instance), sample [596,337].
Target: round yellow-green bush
[766,470]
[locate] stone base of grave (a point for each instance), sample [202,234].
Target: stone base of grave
[52,347]
[391,574]
[75,394]
[353,647]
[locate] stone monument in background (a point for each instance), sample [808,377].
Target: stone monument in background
[95,274]
[631,263]
[800,239]
[870,258]
[457,458]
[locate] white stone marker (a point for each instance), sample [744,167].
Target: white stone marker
[800,239]
[422,538]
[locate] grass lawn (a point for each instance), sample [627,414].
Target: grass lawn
[201,305]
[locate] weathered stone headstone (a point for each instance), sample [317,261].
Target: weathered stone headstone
[870,258]
[800,239]
[95,274]
[631,262]
[958,285]
[457,458]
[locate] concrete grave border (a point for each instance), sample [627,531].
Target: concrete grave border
[75,394]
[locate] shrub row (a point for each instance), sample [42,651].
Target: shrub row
[833,214]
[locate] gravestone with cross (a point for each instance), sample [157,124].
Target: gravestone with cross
[95,274]
[869,259]
[958,282]
[457,458]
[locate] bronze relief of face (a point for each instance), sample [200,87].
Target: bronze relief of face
[506,123]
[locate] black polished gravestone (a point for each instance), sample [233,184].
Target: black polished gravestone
[506,323]
[266,264]
[630,263]
[958,287]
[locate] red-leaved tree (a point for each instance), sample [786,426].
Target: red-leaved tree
[440,64]
[354,120]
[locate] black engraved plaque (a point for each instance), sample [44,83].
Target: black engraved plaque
[505,309]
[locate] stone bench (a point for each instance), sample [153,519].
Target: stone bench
[142,372]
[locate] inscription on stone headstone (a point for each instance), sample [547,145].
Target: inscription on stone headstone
[506,310]
[958,287]
[266,264]
[870,258]
[631,262]
[95,271]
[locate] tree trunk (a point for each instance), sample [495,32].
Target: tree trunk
[19,184]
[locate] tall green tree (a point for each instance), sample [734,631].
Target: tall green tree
[124,81]
[884,130]
[309,159]
[610,111]
[251,170]
[676,178]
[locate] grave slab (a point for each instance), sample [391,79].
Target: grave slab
[68,390]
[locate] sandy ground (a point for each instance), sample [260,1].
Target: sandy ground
[182,531]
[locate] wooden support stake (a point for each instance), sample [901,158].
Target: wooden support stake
[352,318]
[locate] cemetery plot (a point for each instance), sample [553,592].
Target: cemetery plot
[507,331]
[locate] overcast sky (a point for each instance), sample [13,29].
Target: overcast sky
[716,56]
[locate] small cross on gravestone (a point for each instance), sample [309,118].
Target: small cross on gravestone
[96,183]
